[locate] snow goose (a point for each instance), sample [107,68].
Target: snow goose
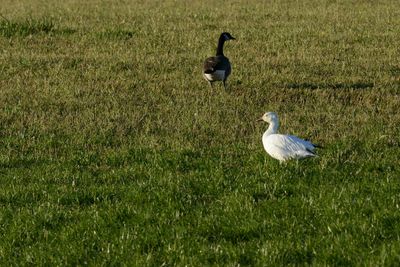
[284,147]
[218,68]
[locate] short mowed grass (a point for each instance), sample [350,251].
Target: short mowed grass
[114,151]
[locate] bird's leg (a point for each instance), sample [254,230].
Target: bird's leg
[225,84]
[211,85]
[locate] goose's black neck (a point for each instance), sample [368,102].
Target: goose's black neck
[220,47]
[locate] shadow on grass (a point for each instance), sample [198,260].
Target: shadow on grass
[297,257]
[118,34]
[22,163]
[82,198]
[344,85]
[232,234]
[281,193]
[31,26]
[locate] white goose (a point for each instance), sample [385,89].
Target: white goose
[284,147]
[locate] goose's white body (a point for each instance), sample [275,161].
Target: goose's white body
[284,147]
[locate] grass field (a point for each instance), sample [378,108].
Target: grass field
[115,151]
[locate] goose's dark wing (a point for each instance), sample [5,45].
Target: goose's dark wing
[212,64]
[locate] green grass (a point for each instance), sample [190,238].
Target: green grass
[115,151]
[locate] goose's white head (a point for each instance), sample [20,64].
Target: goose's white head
[269,117]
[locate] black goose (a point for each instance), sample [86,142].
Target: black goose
[218,68]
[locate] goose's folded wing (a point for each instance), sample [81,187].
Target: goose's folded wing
[301,142]
[291,144]
[211,64]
